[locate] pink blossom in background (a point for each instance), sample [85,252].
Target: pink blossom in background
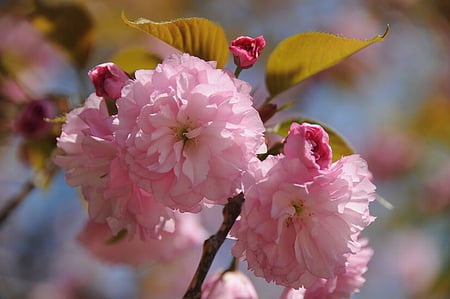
[228,285]
[310,144]
[74,274]
[169,279]
[392,154]
[188,132]
[92,162]
[46,67]
[31,121]
[12,91]
[436,190]
[108,79]
[187,233]
[246,50]
[296,228]
[413,259]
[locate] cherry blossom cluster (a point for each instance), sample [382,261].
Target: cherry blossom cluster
[148,151]
[303,215]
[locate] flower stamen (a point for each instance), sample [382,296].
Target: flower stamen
[182,134]
[298,206]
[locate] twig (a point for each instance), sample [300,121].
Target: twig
[29,186]
[210,247]
[11,204]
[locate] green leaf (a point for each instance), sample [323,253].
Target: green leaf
[37,154]
[196,36]
[338,144]
[135,58]
[303,55]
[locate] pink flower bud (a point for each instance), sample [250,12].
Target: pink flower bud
[108,80]
[246,50]
[31,121]
[229,285]
[309,143]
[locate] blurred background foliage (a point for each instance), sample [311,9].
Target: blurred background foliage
[390,101]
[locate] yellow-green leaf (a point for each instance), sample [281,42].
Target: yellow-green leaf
[432,121]
[303,55]
[37,154]
[339,146]
[196,36]
[135,58]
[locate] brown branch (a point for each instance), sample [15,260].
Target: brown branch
[210,247]
[14,202]
[29,186]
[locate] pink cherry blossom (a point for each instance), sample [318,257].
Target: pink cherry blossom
[188,132]
[436,190]
[296,228]
[309,143]
[188,233]
[92,162]
[108,79]
[169,279]
[246,50]
[228,285]
[345,284]
[393,154]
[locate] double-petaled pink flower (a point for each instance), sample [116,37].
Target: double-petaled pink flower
[299,225]
[188,132]
[92,162]
[341,286]
[246,50]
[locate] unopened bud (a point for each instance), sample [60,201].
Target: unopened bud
[246,50]
[32,122]
[108,80]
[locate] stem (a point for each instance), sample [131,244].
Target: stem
[237,71]
[266,111]
[211,245]
[29,186]
[14,202]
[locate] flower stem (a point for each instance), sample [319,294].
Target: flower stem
[237,71]
[211,245]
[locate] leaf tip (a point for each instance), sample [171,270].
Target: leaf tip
[386,32]
[124,17]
